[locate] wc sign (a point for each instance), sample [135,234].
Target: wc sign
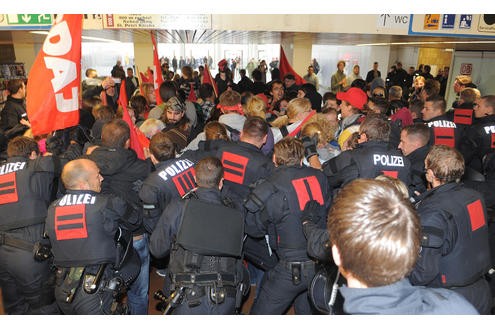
[392,21]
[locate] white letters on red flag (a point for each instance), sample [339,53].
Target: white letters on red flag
[54,79]
[157,72]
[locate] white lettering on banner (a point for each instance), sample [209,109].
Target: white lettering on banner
[442,124]
[388,160]
[81,199]
[490,129]
[11,167]
[60,34]
[174,169]
[59,43]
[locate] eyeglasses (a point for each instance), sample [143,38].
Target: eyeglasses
[379,95]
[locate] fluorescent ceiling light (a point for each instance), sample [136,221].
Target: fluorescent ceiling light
[91,38]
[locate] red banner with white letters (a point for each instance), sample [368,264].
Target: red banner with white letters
[53,88]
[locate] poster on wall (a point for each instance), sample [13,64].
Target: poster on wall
[466,69]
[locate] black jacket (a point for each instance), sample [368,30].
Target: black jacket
[13,111]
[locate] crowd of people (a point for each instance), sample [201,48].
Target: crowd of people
[252,184]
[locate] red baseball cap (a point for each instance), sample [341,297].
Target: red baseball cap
[354,96]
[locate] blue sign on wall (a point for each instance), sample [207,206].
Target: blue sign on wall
[466,21]
[448,21]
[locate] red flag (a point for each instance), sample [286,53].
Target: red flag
[144,78]
[136,141]
[285,68]
[157,72]
[208,79]
[192,93]
[54,81]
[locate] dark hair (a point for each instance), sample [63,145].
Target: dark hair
[255,127]
[22,147]
[139,104]
[14,85]
[256,75]
[209,172]
[162,147]
[438,102]
[376,127]
[418,130]
[168,90]
[115,134]
[431,87]
[205,91]
[359,83]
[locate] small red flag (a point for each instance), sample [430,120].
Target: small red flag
[136,141]
[192,93]
[208,79]
[286,68]
[157,72]
[54,81]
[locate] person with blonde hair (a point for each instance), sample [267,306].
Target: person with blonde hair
[298,113]
[314,132]
[256,107]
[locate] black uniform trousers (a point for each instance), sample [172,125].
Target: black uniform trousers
[207,306]
[97,303]
[278,292]
[26,284]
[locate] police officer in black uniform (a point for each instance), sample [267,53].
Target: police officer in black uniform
[280,201]
[82,227]
[479,140]
[25,188]
[243,162]
[124,174]
[455,252]
[443,130]
[372,157]
[204,240]
[171,180]
[414,145]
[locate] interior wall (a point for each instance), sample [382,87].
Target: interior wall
[436,58]
[483,72]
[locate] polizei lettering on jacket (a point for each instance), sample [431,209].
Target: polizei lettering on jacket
[388,160]
[490,129]
[80,199]
[176,168]
[11,167]
[442,124]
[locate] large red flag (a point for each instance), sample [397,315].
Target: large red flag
[157,72]
[136,141]
[286,68]
[208,79]
[55,78]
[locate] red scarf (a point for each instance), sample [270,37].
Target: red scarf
[235,108]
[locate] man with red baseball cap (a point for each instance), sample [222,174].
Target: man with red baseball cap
[353,101]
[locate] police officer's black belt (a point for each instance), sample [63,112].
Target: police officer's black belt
[204,277]
[303,264]
[15,242]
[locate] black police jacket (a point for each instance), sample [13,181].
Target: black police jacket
[369,160]
[243,164]
[171,180]
[444,132]
[418,178]
[25,189]
[82,226]
[478,141]
[455,250]
[293,186]
[123,173]
[13,111]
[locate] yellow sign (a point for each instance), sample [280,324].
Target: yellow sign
[432,21]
